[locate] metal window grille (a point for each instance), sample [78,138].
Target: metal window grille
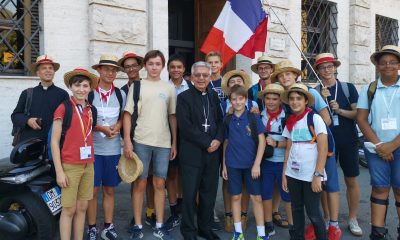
[318,32]
[19,35]
[387,31]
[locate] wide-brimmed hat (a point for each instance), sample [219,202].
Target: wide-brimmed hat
[271,88]
[80,72]
[392,49]
[130,169]
[324,58]
[261,60]
[284,66]
[127,55]
[298,87]
[230,74]
[107,60]
[44,59]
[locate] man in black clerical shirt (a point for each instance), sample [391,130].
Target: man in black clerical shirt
[201,133]
[45,99]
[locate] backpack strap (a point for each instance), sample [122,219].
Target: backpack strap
[91,97]
[253,126]
[227,121]
[28,102]
[371,93]
[94,115]
[250,104]
[136,95]
[119,97]
[66,120]
[311,128]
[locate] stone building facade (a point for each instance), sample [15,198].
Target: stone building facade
[76,32]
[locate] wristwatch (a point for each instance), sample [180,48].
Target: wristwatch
[318,174]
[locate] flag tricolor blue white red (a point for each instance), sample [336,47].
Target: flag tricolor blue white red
[240,28]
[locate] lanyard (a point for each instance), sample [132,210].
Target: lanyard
[327,102]
[391,101]
[85,133]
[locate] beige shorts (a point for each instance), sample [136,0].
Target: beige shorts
[81,181]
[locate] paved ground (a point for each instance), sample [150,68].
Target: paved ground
[123,215]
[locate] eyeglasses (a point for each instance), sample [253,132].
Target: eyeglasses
[199,75]
[327,68]
[133,66]
[264,69]
[388,64]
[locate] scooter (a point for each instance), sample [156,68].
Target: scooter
[30,200]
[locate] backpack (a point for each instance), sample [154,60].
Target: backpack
[66,124]
[136,95]
[345,88]
[311,128]
[371,93]
[17,131]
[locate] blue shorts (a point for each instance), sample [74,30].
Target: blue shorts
[157,156]
[332,184]
[237,176]
[271,173]
[105,170]
[384,174]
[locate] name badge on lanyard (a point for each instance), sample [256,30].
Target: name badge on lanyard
[389,123]
[86,151]
[335,119]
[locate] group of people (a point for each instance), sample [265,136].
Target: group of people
[276,140]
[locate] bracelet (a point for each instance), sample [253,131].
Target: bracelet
[276,144]
[379,143]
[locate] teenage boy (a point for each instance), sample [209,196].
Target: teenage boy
[74,162]
[242,159]
[264,68]
[154,139]
[378,115]
[109,101]
[273,118]
[287,74]
[215,61]
[131,63]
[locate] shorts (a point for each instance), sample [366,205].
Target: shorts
[332,184]
[347,154]
[271,173]
[158,156]
[384,174]
[105,170]
[237,176]
[80,179]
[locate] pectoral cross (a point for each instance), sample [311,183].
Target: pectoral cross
[205,125]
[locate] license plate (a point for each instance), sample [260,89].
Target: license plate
[53,200]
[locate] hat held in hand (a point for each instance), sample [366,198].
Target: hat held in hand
[130,169]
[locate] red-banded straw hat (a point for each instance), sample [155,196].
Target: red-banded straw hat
[44,59]
[324,58]
[80,72]
[127,55]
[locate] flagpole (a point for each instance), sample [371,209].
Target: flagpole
[297,46]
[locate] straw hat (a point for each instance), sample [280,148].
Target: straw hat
[392,49]
[324,58]
[127,55]
[80,72]
[284,66]
[230,74]
[261,60]
[298,87]
[42,60]
[108,60]
[271,88]
[130,169]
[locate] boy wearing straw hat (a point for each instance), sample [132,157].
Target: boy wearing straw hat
[264,68]
[274,119]
[378,116]
[107,144]
[40,113]
[131,63]
[342,98]
[74,163]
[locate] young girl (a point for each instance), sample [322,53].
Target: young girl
[303,169]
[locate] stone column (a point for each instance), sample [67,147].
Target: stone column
[359,41]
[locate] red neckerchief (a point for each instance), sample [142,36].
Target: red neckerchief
[293,119]
[262,84]
[271,117]
[104,96]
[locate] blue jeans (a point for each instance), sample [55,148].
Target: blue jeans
[384,174]
[158,156]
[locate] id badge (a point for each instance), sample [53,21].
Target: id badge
[295,166]
[335,119]
[389,123]
[85,152]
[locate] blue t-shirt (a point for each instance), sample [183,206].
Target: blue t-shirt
[216,86]
[346,131]
[379,109]
[276,134]
[241,150]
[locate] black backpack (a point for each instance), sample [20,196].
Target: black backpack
[136,95]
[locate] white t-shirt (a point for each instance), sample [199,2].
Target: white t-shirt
[303,154]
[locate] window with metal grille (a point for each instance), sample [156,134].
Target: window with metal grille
[318,32]
[387,31]
[19,34]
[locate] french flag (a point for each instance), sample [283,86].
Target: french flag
[240,28]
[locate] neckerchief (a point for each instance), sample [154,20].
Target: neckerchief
[105,94]
[272,116]
[293,119]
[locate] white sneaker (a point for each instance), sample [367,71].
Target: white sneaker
[354,228]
